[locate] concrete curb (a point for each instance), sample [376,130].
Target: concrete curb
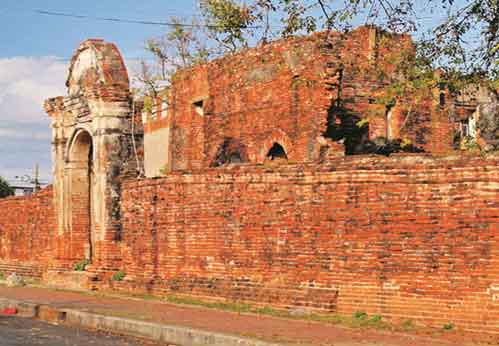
[24,309]
[181,336]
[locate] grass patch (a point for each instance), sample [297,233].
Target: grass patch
[407,326]
[234,307]
[357,320]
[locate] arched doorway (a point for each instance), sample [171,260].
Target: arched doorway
[81,163]
[277,152]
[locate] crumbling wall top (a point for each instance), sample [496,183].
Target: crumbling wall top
[97,70]
[54,106]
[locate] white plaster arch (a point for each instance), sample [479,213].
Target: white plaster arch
[77,131]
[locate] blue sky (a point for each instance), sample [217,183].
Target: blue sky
[26,33]
[34,53]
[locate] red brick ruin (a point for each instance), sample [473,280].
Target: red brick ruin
[252,192]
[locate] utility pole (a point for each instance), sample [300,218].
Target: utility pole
[37,180]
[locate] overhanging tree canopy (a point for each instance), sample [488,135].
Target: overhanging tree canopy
[458,37]
[5,188]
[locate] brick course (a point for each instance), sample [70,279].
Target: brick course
[407,237]
[296,92]
[27,233]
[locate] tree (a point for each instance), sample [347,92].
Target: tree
[180,47]
[226,22]
[226,26]
[5,189]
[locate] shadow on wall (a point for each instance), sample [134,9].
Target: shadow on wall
[230,151]
[349,128]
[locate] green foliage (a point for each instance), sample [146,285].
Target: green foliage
[266,310]
[227,21]
[5,189]
[2,276]
[361,123]
[375,319]
[118,276]
[358,320]
[448,326]
[226,26]
[360,315]
[180,47]
[405,142]
[469,143]
[81,265]
[235,307]
[296,18]
[148,101]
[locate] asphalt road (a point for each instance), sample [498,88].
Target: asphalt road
[16,331]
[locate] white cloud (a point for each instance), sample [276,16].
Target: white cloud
[10,133]
[25,82]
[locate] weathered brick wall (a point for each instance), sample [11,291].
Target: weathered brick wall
[27,233]
[407,237]
[293,92]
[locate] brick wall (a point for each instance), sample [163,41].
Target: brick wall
[293,92]
[27,233]
[407,237]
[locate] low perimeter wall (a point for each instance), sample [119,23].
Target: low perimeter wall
[27,233]
[407,237]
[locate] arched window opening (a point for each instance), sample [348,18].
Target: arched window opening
[235,158]
[389,123]
[199,107]
[442,99]
[277,152]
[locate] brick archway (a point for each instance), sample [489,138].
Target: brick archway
[280,138]
[91,141]
[80,167]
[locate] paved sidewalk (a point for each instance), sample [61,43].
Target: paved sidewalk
[271,329]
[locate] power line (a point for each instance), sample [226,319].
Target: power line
[109,19]
[168,24]
[130,21]
[139,58]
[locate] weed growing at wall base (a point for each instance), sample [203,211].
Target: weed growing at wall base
[119,276]
[448,326]
[81,265]
[358,320]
